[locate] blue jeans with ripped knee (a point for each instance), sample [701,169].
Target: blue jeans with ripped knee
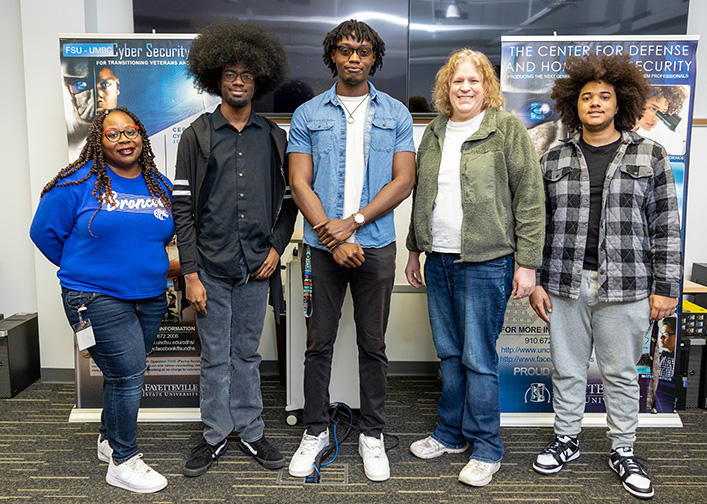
[125,330]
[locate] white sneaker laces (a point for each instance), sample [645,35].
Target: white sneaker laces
[374,448]
[136,464]
[309,444]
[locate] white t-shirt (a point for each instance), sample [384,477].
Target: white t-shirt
[446,217]
[355,169]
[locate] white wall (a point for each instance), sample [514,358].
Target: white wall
[695,236]
[17,278]
[33,134]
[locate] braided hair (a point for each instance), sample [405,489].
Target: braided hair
[359,31]
[157,184]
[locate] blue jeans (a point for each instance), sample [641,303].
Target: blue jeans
[230,363]
[467,304]
[125,330]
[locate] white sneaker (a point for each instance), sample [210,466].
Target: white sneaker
[431,448]
[478,473]
[105,452]
[302,463]
[135,475]
[375,461]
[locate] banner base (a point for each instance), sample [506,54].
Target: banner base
[590,420]
[144,415]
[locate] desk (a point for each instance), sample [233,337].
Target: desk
[689,287]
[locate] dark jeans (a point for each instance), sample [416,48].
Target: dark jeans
[125,330]
[467,304]
[371,287]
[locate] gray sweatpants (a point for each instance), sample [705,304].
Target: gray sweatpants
[617,331]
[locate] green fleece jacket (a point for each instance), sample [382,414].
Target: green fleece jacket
[503,200]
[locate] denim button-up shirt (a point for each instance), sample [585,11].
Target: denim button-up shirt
[318,128]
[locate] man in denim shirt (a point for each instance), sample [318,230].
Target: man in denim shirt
[352,161]
[612,261]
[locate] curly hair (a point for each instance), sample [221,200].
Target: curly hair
[674,95]
[232,42]
[630,85]
[359,31]
[492,87]
[93,151]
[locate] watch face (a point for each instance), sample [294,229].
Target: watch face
[359,219]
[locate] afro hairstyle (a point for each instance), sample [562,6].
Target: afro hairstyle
[229,42]
[626,77]
[360,32]
[674,95]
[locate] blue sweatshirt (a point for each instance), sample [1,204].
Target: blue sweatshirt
[125,257]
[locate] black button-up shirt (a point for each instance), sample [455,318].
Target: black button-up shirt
[234,234]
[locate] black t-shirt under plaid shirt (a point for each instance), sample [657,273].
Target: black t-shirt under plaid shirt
[597,159]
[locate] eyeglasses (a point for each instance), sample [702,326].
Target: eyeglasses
[246,77]
[664,334]
[363,52]
[113,135]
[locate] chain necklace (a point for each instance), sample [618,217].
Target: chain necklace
[350,119]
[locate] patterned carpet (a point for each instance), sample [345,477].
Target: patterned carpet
[43,458]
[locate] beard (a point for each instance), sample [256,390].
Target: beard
[236,103]
[598,128]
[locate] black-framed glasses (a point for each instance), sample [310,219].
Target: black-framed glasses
[246,77]
[113,135]
[363,52]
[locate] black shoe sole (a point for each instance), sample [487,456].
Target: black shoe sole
[193,473]
[267,464]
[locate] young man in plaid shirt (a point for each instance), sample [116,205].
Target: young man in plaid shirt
[612,258]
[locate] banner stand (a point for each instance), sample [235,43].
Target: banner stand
[144,415]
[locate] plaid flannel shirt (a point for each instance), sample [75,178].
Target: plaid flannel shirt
[639,234]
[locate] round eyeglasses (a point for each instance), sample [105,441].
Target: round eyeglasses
[347,52]
[246,77]
[113,135]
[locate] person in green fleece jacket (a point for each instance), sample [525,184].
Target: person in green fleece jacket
[478,201]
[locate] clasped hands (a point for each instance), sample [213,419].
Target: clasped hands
[333,234]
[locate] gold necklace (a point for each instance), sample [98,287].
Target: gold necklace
[350,118]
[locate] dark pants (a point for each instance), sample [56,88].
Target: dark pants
[371,287]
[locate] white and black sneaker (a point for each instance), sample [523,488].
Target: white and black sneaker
[554,456]
[266,454]
[201,458]
[633,476]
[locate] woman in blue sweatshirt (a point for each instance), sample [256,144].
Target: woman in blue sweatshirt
[105,221]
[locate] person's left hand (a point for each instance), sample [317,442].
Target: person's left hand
[269,265]
[523,282]
[662,306]
[349,255]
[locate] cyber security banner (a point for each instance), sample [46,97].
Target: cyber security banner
[147,74]
[529,67]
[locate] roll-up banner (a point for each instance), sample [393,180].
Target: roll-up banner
[147,74]
[529,67]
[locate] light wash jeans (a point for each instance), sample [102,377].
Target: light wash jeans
[616,331]
[467,305]
[230,363]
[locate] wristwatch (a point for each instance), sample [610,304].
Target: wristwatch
[359,219]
